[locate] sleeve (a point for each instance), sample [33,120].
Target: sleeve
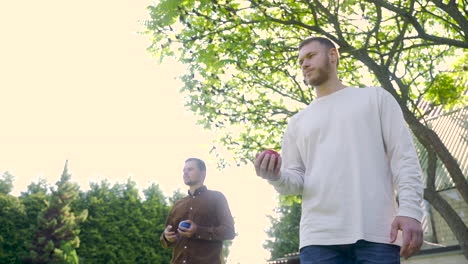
[164,242]
[162,239]
[403,159]
[225,229]
[291,181]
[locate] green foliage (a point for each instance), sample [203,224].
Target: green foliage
[243,79]
[12,223]
[154,213]
[56,237]
[40,187]
[284,231]
[6,183]
[13,227]
[34,201]
[176,195]
[121,228]
[447,88]
[226,245]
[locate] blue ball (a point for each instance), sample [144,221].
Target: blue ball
[184,224]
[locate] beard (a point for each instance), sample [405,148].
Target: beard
[191,182]
[323,74]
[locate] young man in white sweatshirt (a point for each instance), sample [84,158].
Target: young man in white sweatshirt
[346,154]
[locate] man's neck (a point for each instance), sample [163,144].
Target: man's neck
[193,188]
[329,87]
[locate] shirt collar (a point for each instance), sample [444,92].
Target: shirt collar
[198,191]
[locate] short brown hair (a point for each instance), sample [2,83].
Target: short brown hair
[324,41]
[200,163]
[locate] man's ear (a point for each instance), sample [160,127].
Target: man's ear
[333,55]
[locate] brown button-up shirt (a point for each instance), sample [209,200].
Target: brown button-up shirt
[209,210]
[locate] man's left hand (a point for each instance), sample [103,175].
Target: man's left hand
[188,232]
[412,235]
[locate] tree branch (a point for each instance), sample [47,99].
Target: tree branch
[452,9]
[422,33]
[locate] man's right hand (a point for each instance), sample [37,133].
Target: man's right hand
[265,166]
[169,235]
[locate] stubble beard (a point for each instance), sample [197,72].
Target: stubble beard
[323,74]
[191,182]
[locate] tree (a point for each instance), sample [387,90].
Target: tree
[176,195]
[103,240]
[57,232]
[284,231]
[155,211]
[225,253]
[34,201]
[6,183]
[13,224]
[242,70]
[13,227]
[121,228]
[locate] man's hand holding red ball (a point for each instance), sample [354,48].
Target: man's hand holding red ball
[268,165]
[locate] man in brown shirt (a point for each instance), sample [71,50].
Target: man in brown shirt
[209,217]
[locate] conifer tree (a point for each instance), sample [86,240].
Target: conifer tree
[56,237]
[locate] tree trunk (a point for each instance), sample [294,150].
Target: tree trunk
[456,224]
[430,140]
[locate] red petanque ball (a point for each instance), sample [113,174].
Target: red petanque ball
[272,153]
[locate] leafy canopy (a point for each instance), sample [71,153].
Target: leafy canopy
[242,66]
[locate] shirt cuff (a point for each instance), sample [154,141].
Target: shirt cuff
[164,241]
[413,213]
[278,182]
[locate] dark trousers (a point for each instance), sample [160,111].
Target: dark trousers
[361,252]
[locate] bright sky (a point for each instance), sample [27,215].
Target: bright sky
[77,84]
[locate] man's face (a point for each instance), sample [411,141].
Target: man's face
[315,63]
[192,173]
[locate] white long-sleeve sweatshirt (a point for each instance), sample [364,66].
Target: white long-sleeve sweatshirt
[346,154]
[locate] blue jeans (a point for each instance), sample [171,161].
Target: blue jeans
[361,252]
